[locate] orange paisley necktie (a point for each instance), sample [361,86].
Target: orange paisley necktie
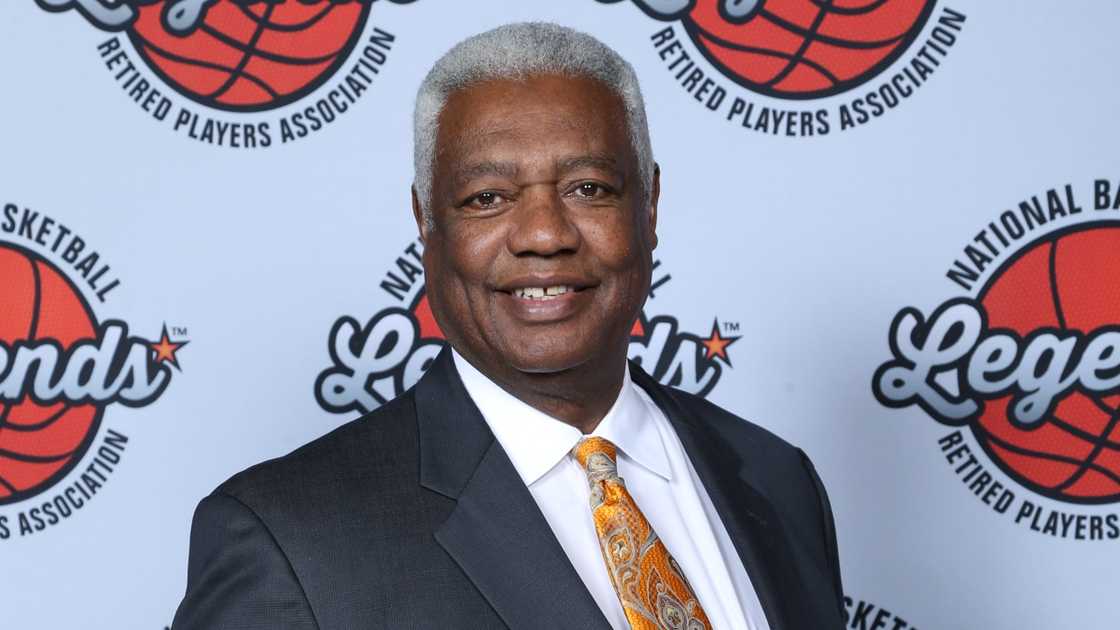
[651,586]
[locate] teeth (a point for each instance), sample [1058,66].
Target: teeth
[542,293]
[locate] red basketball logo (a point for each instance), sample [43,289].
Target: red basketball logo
[801,49]
[1070,282]
[1031,364]
[40,443]
[250,57]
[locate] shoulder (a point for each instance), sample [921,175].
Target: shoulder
[378,446]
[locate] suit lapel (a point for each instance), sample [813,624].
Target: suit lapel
[748,516]
[496,532]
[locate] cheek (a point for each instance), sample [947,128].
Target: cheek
[476,250]
[625,264]
[467,260]
[618,244]
[469,251]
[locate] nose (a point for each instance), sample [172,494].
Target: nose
[542,225]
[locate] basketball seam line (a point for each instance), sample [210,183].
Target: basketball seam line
[833,41]
[35,459]
[32,328]
[799,56]
[287,28]
[209,64]
[245,57]
[1073,429]
[1099,443]
[264,54]
[766,53]
[37,270]
[1089,461]
[1099,402]
[1020,450]
[1052,269]
[30,428]
[1076,431]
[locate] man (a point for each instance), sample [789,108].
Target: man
[492,494]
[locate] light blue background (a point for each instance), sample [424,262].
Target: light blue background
[811,244]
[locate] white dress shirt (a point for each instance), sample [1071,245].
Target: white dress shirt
[658,475]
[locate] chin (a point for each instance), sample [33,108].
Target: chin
[548,359]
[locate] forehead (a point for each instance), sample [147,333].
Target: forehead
[542,114]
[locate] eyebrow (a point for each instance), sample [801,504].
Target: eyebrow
[601,162]
[481,169]
[510,169]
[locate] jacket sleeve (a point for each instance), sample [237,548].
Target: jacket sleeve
[828,529]
[238,578]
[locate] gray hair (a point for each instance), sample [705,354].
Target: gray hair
[516,51]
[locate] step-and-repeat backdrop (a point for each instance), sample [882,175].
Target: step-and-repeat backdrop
[890,232]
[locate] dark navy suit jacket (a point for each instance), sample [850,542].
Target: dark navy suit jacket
[412,516]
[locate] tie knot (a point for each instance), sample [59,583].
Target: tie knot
[595,454]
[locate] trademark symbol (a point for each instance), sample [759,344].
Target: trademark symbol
[179,331]
[730,326]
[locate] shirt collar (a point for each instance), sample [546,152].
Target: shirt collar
[537,442]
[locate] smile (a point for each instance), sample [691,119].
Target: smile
[542,293]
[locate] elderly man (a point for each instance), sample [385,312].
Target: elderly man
[492,494]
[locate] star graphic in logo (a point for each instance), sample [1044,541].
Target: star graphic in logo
[716,345]
[165,349]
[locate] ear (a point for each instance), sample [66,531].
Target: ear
[418,216]
[654,196]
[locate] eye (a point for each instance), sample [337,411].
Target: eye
[590,190]
[485,200]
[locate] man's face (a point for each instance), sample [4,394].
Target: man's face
[540,256]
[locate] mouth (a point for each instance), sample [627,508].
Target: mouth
[541,294]
[543,299]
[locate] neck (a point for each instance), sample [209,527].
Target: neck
[580,396]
